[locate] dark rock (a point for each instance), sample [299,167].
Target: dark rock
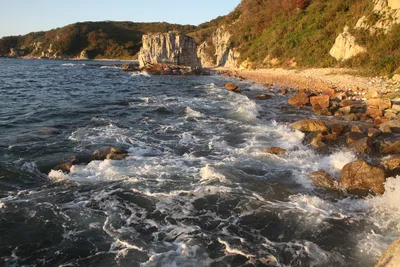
[360,176]
[353,137]
[130,67]
[323,179]
[364,145]
[65,167]
[338,128]
[372,132]
[49,131]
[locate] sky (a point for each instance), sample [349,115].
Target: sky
[23,16]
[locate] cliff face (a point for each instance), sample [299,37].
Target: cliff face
[169,48]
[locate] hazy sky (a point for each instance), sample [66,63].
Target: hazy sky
[24,16]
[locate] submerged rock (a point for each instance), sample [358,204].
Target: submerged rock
[391,256]
[323,179]
[310,126]
[110,153]
[275,150]
[359,176]
[233,87]
[65,167]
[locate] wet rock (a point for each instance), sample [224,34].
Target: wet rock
[391,162]
[232,87]
[338,129]
[374,112]
[379,103]
[283,91]
[391,256]
[364,145]
[65,167]
[263,97]
[310,126]
[322,101]
[323,179]
[275,150]
[299,100]
[355,129]
[392,126]
[389,147]
[49,131]
[110,153]
[359,176]
[372,132]
[130,67]
[353,137]
[319,145]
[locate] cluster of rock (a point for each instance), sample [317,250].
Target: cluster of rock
[112,153]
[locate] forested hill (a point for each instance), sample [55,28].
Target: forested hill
[99,39]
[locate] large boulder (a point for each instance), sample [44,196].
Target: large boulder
[310,126]
[359,176]
[169,48]
[391,256]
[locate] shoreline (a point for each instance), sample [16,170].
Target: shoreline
[312,78]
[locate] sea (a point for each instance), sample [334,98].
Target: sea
[197,188]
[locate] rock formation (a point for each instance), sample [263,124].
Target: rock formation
[345,46]
[207,61]
[169,48]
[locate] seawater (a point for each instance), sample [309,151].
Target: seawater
[196,189]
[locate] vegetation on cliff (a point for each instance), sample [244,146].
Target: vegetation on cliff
[100,39]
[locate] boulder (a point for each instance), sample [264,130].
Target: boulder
[391,256]
[275,150]
[323,179]
[390,126]
[263,97]
[360,176]
[379,103]
[322,101]
[310,126]
[299,100]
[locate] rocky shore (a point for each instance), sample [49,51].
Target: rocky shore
[359,113]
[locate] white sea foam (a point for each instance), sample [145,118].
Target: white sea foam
[110,67]
[209,175]
[243,109]
[138,73]
[190,113]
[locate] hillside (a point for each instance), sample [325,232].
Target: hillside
[360,34]
[302,33]
[99,39]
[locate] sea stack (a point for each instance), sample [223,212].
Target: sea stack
[169,48]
